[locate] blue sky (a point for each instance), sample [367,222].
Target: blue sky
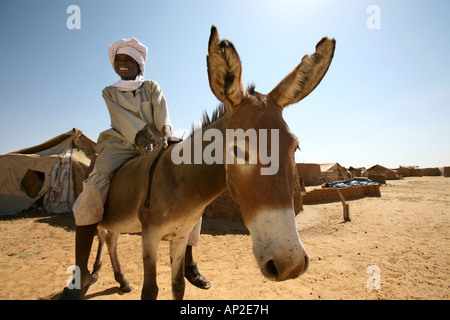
[385,99]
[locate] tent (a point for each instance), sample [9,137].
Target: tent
[52,172]
[356,172]
[334,172]
[380,170]
[310,173]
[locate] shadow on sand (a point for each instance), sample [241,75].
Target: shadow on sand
[67,222]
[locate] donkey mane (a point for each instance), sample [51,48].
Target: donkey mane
[219,112]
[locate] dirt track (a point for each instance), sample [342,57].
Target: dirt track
[406,233]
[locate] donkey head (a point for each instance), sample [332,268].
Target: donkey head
[265,195]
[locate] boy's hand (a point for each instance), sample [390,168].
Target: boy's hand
[166,135]
[144,142]
[148,145]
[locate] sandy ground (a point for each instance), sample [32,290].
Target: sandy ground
[406,233]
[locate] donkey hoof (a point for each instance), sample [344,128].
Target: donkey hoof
[126,288]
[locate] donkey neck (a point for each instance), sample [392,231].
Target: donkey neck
[201,182]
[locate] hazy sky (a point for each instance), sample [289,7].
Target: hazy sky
[385,98]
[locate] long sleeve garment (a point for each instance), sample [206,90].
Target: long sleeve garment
[131,113]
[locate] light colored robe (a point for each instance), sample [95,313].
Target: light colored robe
[133,113]
[130,113]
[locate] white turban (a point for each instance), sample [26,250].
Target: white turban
[138,52]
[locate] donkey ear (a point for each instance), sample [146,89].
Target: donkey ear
[306,76]
[224,71]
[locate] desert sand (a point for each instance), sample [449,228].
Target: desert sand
[405,233]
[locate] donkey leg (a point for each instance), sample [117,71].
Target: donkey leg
[177,252]
[111,242]
[98,259]
[149,255]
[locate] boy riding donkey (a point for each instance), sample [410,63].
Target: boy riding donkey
[139,119]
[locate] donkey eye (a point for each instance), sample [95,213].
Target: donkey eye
[239,154]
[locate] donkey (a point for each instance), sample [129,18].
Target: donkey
[180,192]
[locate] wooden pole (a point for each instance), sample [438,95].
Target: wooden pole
[345,207]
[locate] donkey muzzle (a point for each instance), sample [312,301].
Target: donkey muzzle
[277,246]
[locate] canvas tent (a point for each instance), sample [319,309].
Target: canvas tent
[334,172]
[356,172]
[380,170]
[52,172]
[310,173]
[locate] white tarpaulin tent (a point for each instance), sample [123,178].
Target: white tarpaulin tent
[52,172]
[334,172]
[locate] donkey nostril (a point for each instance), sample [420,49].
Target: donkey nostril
[271,269]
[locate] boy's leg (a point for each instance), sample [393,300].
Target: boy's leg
[83,244]
[88,209]
[88,212]
[191,270]
[193,238]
